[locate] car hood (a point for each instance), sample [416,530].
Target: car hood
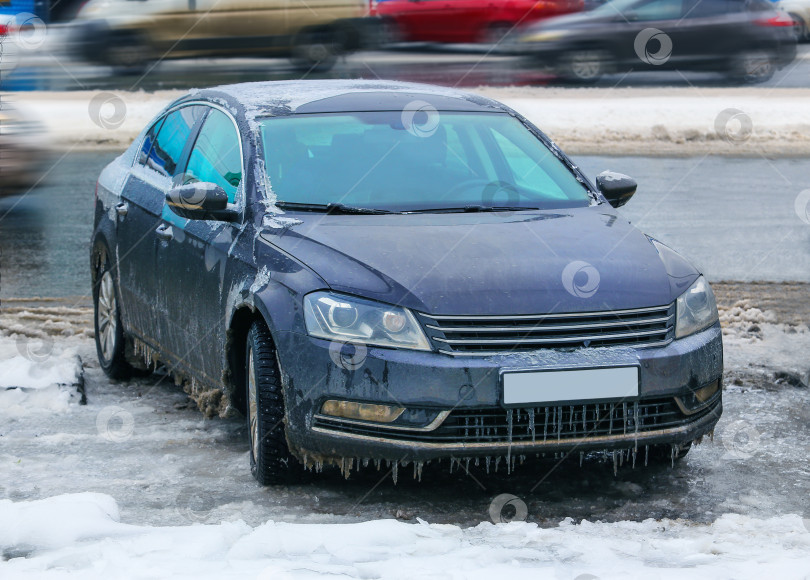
[577,260]
[566,21]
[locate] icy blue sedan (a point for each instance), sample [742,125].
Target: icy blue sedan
[397,273]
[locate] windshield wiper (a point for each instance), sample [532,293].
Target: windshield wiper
[330,208]
[470,209]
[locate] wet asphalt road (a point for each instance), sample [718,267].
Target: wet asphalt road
[735,218]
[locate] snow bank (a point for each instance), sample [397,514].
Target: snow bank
[641,121]
[37,374]
[81,534]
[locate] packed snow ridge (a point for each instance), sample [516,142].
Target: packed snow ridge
[82,535]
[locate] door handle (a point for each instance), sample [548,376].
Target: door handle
[164,232]
[122,209]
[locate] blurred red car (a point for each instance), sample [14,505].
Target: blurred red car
[464,20]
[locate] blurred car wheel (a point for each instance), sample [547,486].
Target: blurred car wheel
[315,50]
[584,66]
[128,54]
[753,67]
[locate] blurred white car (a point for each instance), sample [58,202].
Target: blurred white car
[799,10]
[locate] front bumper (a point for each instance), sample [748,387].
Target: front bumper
[453,404]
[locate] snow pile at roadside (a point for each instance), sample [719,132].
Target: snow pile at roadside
[744,320]
[81,534]
[37,374]
[673,121]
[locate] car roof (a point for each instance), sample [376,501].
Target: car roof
[279,98]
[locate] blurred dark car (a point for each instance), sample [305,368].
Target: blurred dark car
[131,34]
[464,20]
[23,151]
[747,39]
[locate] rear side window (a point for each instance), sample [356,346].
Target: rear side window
[171,140]
[216,157]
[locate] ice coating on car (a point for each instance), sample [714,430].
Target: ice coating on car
[284,97]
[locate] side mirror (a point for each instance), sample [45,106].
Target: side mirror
[616,187]
[200,201]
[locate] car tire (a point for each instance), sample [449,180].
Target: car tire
[753,67]
[585,66]
[664,453]
[315,50]
[271,462]
[111,340]
[128,54]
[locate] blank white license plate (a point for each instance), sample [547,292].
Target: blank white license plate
[570,385]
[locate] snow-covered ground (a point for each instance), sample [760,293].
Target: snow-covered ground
[638,121]
[136,483]
[81,536]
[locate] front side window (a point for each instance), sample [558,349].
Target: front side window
[372,160]
[216,156]
[171,139]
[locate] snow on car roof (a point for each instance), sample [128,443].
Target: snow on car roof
[276,98]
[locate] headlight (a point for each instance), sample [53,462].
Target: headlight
[544,36]
[346,318]
[696,309]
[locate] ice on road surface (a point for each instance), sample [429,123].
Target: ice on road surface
[81,535]
[136,484]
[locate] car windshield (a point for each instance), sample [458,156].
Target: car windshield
[422,161]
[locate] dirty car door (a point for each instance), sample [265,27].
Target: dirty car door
[194,259]
[138,217]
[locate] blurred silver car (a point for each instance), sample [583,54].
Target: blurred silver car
[23,151]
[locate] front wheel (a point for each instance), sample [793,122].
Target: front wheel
[270,459]
[315,50]
[110,337]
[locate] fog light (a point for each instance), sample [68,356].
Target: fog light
[707,392]
[361,411]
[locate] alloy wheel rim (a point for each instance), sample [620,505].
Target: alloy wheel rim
[107,313]
[586,65]
[253,404]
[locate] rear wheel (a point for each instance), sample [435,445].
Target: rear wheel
[585,66]
[496,33]
[753,67]
[270,459]
[110,337]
